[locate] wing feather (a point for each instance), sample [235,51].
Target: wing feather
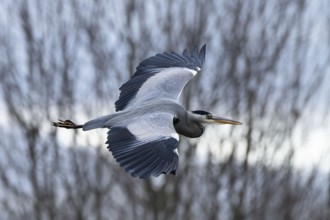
[147,146]
[154,74]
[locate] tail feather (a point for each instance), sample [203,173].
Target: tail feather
[96,123]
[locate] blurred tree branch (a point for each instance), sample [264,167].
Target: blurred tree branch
[67,59]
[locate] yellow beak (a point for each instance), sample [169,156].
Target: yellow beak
[221,120]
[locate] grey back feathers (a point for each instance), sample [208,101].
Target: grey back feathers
[167,74]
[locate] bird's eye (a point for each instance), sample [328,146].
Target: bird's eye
[209,116]
[176,120]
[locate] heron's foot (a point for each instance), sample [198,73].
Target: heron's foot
[68,124]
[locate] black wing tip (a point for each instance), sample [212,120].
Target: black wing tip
[198,55]
[202,53]
[185,52]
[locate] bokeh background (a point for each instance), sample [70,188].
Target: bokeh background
[267,65]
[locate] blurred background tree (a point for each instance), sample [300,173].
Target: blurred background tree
[267,65]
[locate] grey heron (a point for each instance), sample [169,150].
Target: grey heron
[143,132]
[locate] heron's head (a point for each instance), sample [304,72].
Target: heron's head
[205,117]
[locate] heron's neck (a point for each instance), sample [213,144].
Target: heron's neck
[187,126]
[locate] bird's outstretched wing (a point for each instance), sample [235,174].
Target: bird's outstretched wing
[147,146]
[161,76]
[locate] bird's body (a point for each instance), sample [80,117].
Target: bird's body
[183,121]
[124,117]
[143,133]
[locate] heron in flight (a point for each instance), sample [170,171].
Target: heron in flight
[144,131]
